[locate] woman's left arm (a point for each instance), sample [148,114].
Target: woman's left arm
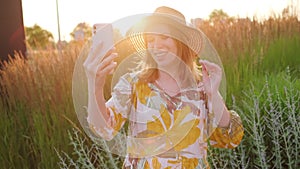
[225,127]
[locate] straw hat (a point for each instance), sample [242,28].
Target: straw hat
[180,29]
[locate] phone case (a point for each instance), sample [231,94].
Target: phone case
[103,32]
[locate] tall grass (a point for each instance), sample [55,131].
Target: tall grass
[270,113]
[36,109]
[37,114]
[92,156]
[249,48]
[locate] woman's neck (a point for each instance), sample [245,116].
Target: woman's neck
[168,72]
[168,82]
[168,76]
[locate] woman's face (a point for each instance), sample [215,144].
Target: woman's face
[162,47]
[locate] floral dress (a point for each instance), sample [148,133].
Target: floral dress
[166,132]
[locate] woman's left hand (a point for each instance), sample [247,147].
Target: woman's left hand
[212,76]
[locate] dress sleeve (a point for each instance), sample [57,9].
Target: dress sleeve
[118,108]
[227,137]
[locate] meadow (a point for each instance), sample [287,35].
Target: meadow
[261,60]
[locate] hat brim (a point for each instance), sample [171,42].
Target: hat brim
[181,31]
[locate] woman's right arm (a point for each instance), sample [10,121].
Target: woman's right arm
[97,67]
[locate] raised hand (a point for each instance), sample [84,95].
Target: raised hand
[212,76]
[99,64]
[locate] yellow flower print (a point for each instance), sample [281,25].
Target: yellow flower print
[118,121]
[143,91]
[189,163]
[224,137]
[180,134]
[156,126]
[184,134]
[186,163]
[155,163]
[147,165]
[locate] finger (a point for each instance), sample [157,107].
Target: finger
[207,63]
[107,54]
[205,75]
[94,68]
[104,64]
[210,65]
[204,71]
[206,80]
[213,69]
[96,55]
[108,69]
[100,75]
[107,60]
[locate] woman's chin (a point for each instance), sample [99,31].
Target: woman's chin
[164,65]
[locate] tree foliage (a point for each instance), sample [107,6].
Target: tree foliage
[218,15]
[82,32]
[38,38]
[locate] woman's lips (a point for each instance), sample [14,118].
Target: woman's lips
[160,54]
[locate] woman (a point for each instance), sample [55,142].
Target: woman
[173,107]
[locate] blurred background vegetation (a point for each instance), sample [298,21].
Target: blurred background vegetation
[261,59]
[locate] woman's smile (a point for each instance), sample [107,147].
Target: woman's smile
[160,54]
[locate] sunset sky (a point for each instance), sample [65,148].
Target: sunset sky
[72,12]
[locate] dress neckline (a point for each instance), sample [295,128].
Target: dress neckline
[156,86]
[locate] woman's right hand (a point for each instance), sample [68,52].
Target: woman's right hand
[98,65]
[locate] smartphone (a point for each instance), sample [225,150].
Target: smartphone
[103,32]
